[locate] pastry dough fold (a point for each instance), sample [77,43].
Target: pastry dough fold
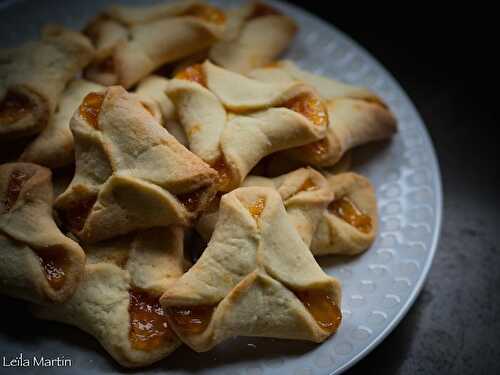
[33,76]
[130,172]
[37,262]
[252,274]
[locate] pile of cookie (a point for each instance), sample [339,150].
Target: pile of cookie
[177,121]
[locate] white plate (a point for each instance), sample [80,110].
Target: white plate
[378,286]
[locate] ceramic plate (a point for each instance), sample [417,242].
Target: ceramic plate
[378,286]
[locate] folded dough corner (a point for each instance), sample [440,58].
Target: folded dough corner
[130,172]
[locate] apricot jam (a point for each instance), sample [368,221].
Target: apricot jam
[191,200]
[256,208]
[148,322]
[193,73]
[53,267]
[191,320]
[308,185]
[14,107]
[207,13]
[318,149]
[91,107]
[347,211]
[310,106]
[224,175]
[17,179]
[76,214]
[322,307]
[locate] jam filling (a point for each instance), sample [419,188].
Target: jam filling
[308,185]
[53,267]
[91,107]
[14,107]
[191,320]
[77,212]
[347,211]
[149,329]
[17,179]
[310,106]
[256,208]
[223,175]
[193,73]
[207,13]
[192,199]
[322,307]
[318,148]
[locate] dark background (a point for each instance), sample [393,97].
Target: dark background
[445,60]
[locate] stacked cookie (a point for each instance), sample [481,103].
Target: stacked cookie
[176,120]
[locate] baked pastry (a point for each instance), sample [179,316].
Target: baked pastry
[256,34]
[54,146]
[33,76]
[37,262]
[305,194]
[349,224]
[130,172]
[255,278]
[357,116]
[153,88]
[132,42]
[117,301]
[232,122]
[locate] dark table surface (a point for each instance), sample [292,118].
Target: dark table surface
[446,67]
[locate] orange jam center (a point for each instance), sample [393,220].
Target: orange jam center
[262,10]
[91,107]
[347,211]
[191,319]
[53,266]
[323,309]
[310,106]
[17,179]
[207,13]
[256,208]
[308,185]
[192,199]
[148,322]
[14,107]
[223,175]
[193,73]
[77,212]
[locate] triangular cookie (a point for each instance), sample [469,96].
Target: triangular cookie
[130,172]
[117,301]
[255,278]
[232,122]
[37,262]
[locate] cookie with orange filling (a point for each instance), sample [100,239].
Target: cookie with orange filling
[33,77]
[232,122]
[350,222]
[256,34]
[255,278]
[118,299]
[132,42]
[37,262]
[356,115]
[130,172]
[305,194]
